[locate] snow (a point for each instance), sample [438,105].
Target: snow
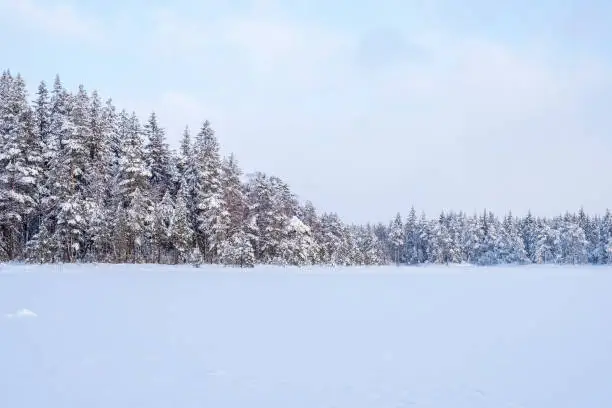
[295,224]
[437,337]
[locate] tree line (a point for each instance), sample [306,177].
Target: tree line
[81,181]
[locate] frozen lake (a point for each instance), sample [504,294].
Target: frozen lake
[160,336]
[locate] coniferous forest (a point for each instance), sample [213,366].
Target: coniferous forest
[81,181]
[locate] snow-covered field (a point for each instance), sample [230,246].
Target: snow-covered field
[156,336]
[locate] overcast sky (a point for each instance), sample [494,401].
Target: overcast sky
[365,107]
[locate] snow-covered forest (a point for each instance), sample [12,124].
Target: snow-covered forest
[82,181]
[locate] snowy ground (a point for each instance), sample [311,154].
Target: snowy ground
[154,336]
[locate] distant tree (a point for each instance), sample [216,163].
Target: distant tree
[397,239]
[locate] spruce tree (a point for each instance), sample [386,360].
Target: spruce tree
[396,239]
[133,173]
[181,234]
[20,167]
[162,227]
[157,157]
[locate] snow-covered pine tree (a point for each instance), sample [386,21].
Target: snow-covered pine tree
[112,131]
[512,248]
[572,243]
[195,258]
[113,142]
[603,251]
[54,181]
[261,214]
[99,165]
[456,224]
[139,222]
[411,238]
[20,167]
[397,239]
[308,214]
[212,218]
[442,241]
[297,246]
[333,235]
[133,173]
[42,113]
[162,227]
[42,125]
[529,234]
[350,249]
[493,240]
[591,234]
[234,194]
[424,240]
[75,147]
[181,234]
[369,247]
[69,168]
[71,228]
[283,233]
[157,157]
[184,152]
[238,250]
[101,232]
[42,247]
[472,239]
[545,245]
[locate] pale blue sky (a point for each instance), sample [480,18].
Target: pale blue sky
[364,107]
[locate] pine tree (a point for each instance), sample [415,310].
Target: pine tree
[20,166]
[71,229]
[297,245]
[181,234]
[334,237]
[369,247]
[512,245]
[133,173]
[100,232]
[308,214]
[185,152]
[604,242]
[74,148]
[163,218]
[139,223]
[545,246]
[157,157]
[212,217]
[424,236]
[262,213]
[492,240]
[233,194]
[529,234]
[442,245]
[99,164]
[42,113]
[238,251]
[196,257]
[572,244]
[396,238]
[411,238]
[42,248]
[43,130]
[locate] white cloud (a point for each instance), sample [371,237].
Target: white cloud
[59,19]
[272,42]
